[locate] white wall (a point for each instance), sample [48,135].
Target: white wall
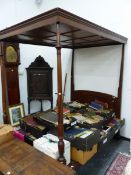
[98,69]
[114,15]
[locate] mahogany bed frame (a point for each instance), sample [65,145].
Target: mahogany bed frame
[61,29]
[86,96]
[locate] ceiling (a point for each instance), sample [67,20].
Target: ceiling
[75,32]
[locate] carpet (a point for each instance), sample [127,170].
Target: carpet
[118,165]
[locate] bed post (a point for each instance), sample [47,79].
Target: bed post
[60,100]
[120,82]
[72,74]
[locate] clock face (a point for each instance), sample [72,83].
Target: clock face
[11,54]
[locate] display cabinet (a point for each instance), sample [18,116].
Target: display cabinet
[39,82]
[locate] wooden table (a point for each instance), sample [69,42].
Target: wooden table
[19,158]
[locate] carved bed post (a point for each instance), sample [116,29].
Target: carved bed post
[60,100]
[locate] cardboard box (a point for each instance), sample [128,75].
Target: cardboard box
[6,133]
[48,144]
[84,138]
[83,156]
[20,134]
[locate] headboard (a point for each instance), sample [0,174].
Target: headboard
[85,96]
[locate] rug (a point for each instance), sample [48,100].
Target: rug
[118,165]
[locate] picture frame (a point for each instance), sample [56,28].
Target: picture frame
[16,112]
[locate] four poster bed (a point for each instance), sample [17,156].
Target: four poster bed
[61,29]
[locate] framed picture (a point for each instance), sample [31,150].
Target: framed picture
[16,112]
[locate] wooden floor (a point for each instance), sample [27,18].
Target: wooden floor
[19,158]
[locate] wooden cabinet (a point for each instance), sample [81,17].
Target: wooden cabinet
[39,81]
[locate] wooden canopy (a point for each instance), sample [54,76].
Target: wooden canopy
[61,29]
[75,31]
